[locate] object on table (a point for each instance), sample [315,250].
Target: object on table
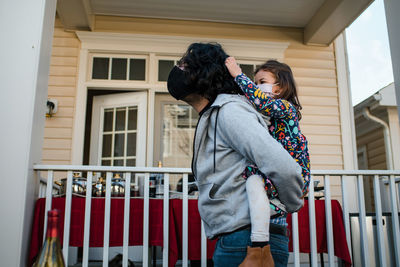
[117,186]
[192,186]
[78,185]
[99,188]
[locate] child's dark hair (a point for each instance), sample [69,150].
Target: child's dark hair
[284,77]
[209,76]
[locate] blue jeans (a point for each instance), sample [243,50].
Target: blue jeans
[231,249]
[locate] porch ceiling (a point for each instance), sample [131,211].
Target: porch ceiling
[321,20]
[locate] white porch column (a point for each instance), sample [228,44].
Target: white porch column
[27,31]
[346,119]
[392,9]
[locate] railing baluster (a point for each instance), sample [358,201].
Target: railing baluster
[146,220]
[86,231]
[49,198]
[107,211]
[166,220]
[346,216]
[125,246]
[185,220]
[203,246]
[395,219]
[362,220]
[67,216]
[295,239]
[314,261]
[313,232]
[379,224]
[328,219]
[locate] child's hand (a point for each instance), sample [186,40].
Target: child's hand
[233,67]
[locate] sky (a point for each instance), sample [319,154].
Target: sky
[369,53]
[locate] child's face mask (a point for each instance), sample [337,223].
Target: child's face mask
[267,87]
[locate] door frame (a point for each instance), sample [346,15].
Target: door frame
[154,46]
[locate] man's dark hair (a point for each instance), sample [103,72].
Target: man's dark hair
[205,62]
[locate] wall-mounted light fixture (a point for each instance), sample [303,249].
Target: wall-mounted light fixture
[52,106]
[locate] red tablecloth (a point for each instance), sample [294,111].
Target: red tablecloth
[339,235]
[175,226]
[116,225]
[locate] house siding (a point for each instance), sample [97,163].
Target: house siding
[62,87]
[314,69]
[375,146]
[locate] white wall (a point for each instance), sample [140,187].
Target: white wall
[27,29]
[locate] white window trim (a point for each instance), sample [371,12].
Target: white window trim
[152,45]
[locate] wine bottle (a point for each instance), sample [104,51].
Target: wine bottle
[50,255]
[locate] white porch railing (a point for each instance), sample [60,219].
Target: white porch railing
[358,175]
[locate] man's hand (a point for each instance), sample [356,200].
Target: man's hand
[233,67]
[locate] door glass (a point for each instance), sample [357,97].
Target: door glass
[120,117]
[119,136]
[179,124]
[108,119]
[132,118]
[137,70]
[164,67]
[100,68]
[118,70]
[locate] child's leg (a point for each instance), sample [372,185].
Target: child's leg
[259,209]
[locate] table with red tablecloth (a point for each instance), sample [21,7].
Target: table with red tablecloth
[341,249]
[175,226]
[116,225]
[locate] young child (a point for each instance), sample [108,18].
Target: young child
[274,96]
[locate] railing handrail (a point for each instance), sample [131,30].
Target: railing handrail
[94,168]
[40,167]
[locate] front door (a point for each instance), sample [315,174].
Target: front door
[118,131]
[118,138]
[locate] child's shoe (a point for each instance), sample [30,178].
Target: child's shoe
[267,260]
[253,258]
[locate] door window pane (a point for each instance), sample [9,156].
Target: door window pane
[132,118]
[131,147]
[164,67]
[120,119]
[131,162]
[137,69]
[118,69]
[108,120]
[179,123]
[106,163]
[119,145]
[248,70]
[107,139]
[100,68]
[118,162]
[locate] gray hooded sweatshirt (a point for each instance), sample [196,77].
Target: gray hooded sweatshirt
[231,135]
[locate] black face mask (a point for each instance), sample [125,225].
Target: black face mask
[178,83]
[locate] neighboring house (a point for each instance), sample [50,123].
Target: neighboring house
[378,137]
[377,131]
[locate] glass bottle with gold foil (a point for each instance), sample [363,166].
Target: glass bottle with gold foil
[51,255]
